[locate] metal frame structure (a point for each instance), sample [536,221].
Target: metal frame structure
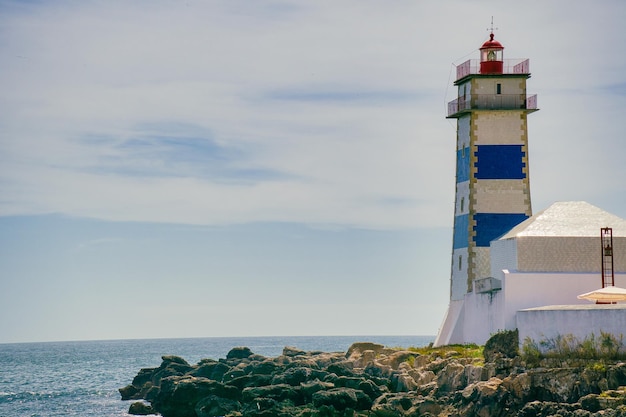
[606,238]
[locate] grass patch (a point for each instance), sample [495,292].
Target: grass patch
[570,349]
[464,351]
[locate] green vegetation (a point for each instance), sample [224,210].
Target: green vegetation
[571,349]
[466,351]
[504,343]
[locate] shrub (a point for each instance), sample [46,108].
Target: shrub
[504,343]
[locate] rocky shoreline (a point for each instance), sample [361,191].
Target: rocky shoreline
[372,380]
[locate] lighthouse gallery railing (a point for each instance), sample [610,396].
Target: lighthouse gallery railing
[510,66]
[493,102]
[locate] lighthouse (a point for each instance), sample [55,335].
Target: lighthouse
[492,190]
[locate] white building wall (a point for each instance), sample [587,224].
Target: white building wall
[504,196]
[500,127]
[483,316]
[515,85]
[503,256]
[579,321]
[480,263]
[524,290]
[487,313]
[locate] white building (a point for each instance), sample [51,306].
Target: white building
[503,259]
[547,260]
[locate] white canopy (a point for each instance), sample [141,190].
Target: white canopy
[607,294]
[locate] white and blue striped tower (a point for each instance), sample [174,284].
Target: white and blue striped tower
[492,184]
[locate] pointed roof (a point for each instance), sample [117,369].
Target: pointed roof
[568,218]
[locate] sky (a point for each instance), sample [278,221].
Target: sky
[186,168]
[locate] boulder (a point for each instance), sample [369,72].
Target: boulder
[291,351]
[214,406]
[451,378]
[394,404]
[178,395]
[140,409]
[240,352]
[342,398]
[280,392]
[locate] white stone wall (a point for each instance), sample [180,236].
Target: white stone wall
[579,321]
[480,263]
[527,290]
[484,85]
[503,257]
[500,128]
[483,316]
[488,313]
[505,196]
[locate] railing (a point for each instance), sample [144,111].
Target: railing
[493,102]
[510,66]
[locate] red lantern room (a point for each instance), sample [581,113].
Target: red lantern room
[491,61]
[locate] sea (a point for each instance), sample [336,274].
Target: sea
[82,378]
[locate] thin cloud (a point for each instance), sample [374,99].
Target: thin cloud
[278,111]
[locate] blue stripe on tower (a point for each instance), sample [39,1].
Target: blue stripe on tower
[461,232]
[462,165]
[490,226]
[505,162]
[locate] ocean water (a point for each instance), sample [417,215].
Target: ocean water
[82,378]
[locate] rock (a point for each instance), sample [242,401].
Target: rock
[267,367]
[558,384]
[342,398]
[211,370]
[174,359]
[290,351]
[394,404]
[246,381]
[518,385]
[590,402]
[377,370]
[129,392]
[140,409]
[358,348]
[240,352]
[280,392]
[372,380]
[451,378]
[395,359]
[296,376]
[428,405]
[366,358]
[422,377]
[178,394]
[309,388]
[214,406]
[340,369]
[402,382]
[473,373]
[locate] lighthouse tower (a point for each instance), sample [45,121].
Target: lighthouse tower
[492,181]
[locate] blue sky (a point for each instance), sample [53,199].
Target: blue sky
[228,168]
